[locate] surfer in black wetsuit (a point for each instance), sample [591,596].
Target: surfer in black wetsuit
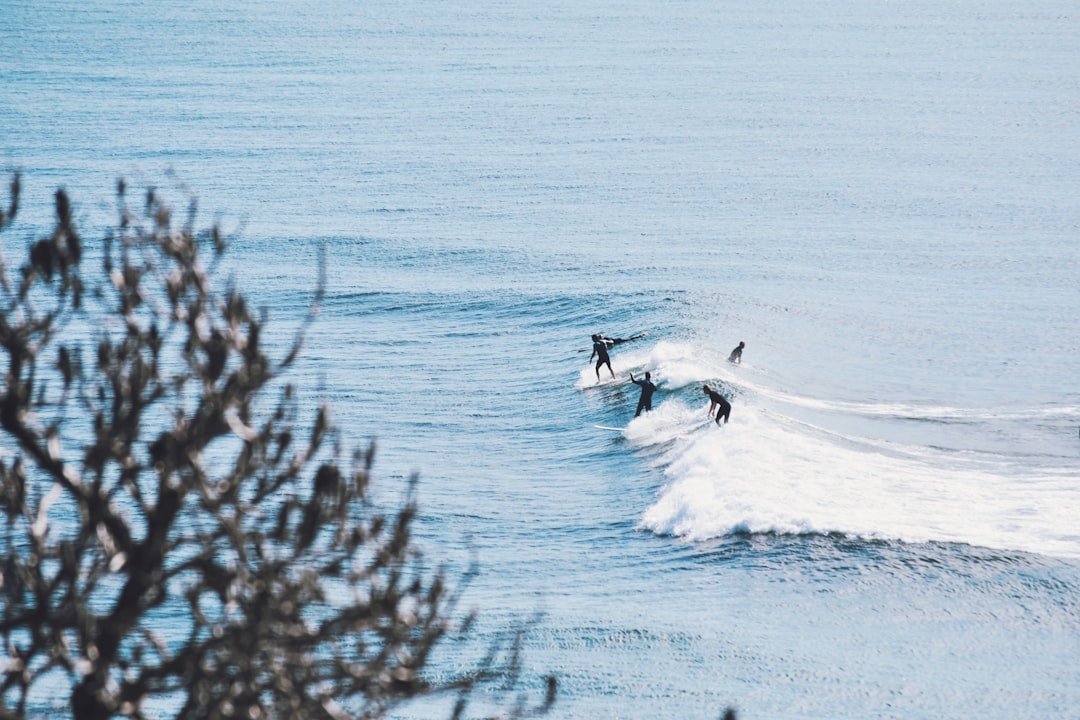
[736,354]
[647,389]
[718,403]
[600,345]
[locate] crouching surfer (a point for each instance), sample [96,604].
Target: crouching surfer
[718,403]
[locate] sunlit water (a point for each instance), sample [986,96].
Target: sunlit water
[879,198]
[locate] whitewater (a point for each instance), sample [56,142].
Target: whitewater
[767,471]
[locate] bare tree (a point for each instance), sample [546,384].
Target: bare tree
[173,535]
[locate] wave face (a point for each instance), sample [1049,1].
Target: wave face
[790,464]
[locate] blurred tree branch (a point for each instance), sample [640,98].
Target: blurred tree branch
[170,530]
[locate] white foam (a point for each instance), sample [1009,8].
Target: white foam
[637,359]
[764,473]
[768,472]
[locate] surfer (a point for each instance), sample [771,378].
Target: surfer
[600,345]
[718,403]
[736,354]
[647,389]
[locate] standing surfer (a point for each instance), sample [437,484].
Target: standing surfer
[600,346]
[647,389]
[718,403]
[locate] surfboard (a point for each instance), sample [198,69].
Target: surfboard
[606,427]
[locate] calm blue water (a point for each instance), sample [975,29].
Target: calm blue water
[879,198]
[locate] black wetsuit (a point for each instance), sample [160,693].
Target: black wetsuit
[647,390]
[723,409]
[600,348]
[736,355]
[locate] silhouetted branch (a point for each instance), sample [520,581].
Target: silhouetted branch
[165,534]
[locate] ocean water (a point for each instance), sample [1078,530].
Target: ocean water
[879,198]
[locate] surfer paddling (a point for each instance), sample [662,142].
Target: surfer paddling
[647,389]
[600,346]
[718,403]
